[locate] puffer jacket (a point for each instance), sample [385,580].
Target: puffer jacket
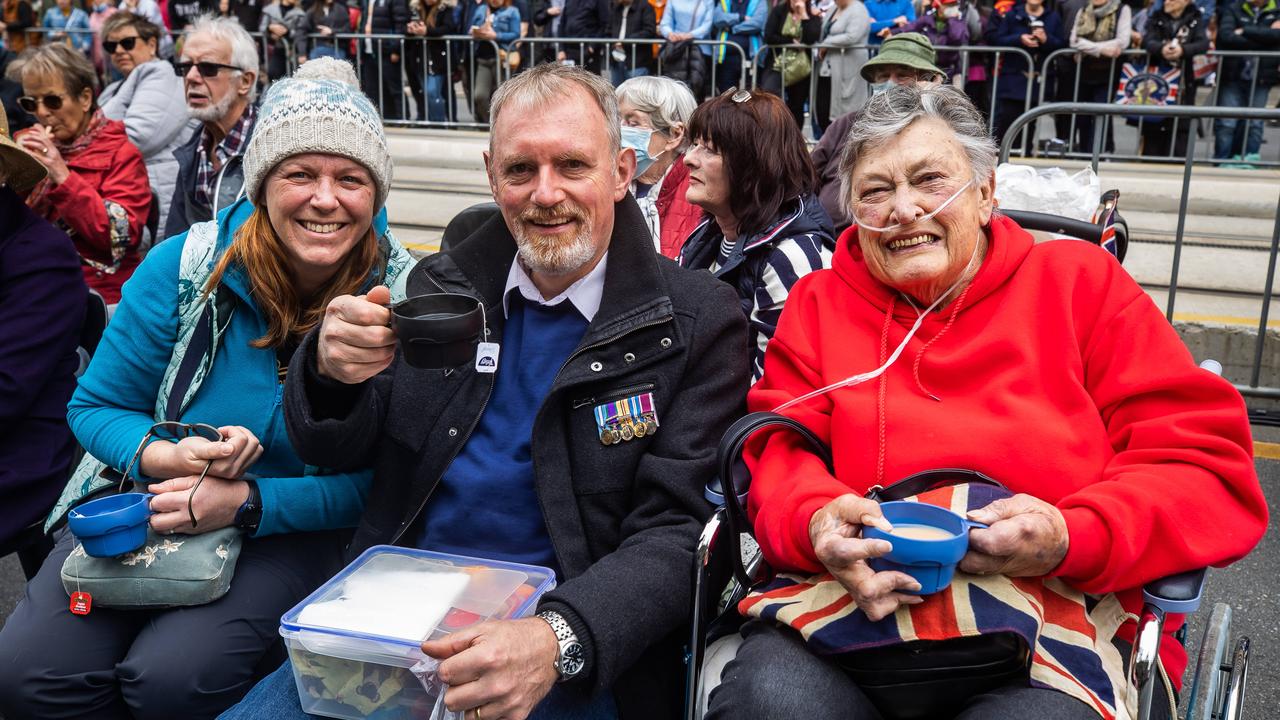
[764,264]
[150,103]
[1255,33]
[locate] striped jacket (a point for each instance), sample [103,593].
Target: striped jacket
[764,265]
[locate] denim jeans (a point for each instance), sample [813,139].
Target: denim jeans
[620,72]
[1229,134]
[276,697]
[437,107]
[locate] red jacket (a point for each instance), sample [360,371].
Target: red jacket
[109,170]
[678,216]
[1056,375]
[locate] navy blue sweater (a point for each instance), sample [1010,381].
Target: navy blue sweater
[486,504]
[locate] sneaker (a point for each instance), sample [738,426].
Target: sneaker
[1236,163]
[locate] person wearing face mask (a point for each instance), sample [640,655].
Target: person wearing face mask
[655,115]
[763,228]
[97,189]
[903,59]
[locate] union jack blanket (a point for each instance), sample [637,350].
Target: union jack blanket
[1069,633]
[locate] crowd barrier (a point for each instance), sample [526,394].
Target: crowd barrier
[1068,76]
[1193,115]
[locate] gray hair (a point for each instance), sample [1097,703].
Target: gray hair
[667,102]
[59,61]
[550,82]
[244,50]
[889,113]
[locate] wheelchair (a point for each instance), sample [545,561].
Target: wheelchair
[723,573]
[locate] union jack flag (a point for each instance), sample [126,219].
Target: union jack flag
[1069,633]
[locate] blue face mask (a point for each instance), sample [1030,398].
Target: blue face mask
[877,88]
[638,140]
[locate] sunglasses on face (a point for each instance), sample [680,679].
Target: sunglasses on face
[206,69]
[127,43]
[174,430]
[52,101]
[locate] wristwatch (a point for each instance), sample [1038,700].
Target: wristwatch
[572,657]
[249,516]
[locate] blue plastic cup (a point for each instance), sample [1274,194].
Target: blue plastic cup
[112,525]
[930,560]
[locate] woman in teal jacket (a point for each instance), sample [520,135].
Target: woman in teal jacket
[317,174]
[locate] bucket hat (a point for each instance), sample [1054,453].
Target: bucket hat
[912,50]
[22,170]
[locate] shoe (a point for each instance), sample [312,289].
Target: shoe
[1236,163]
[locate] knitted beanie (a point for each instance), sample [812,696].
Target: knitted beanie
[320,109]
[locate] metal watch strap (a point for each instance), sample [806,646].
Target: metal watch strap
[569,657]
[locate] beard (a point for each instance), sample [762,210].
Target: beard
[555,256]
[214,112]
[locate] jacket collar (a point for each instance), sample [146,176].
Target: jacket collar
[635,291]
[803,214]
[1007,246]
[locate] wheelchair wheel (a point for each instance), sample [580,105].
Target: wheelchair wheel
[1217,688]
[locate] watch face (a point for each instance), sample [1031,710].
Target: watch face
[571,660]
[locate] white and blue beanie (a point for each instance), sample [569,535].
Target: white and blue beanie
[320,109]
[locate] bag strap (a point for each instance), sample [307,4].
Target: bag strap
[200,346]
[734,479]
[929,480]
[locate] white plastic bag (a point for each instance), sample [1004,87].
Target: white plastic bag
[1048,190]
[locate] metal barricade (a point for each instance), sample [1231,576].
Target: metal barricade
[598,54]
[1191,114]
[969,56]
[1064,71]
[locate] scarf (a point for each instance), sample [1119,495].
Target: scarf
[38,200]
[1098,22]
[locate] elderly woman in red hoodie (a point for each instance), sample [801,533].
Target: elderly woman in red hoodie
[97,189]
[1043,366]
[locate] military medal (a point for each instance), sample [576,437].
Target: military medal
[626,419]
[606,419]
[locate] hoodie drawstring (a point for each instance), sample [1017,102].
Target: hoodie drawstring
[882,385]
[915,367]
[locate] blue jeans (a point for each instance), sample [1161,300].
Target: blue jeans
[276,697]
[620,72]
[437,107]
[1229,135]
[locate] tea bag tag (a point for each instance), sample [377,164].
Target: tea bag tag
[487,357]
[81,603]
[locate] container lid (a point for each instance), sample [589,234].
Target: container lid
[390,599]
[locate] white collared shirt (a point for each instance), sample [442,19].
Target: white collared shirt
[585,293]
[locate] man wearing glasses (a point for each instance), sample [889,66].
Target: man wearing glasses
[218,67]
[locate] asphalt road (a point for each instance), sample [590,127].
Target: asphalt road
[1251,586]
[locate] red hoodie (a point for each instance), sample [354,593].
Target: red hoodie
[1055,374]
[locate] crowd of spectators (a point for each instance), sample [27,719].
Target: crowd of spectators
[400,50]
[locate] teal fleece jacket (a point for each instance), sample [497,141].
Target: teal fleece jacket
[112,407]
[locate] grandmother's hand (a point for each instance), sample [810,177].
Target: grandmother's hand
[215,504]
[39,143]
[835,532]
[238,450]
[1027,538]
[355,341]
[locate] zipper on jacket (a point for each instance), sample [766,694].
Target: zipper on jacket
[613,395]
[613,338]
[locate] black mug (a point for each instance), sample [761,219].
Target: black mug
[438,331]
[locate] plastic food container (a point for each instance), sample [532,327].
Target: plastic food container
[354,640]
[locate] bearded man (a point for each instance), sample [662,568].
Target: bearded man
[585,452]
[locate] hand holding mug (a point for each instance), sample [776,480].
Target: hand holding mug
[1027,537]
[356,341]
[835,531]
